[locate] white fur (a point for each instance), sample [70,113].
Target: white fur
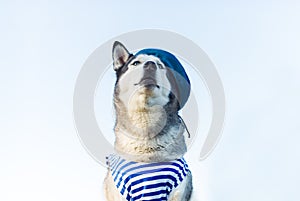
[133,94]
[145,106]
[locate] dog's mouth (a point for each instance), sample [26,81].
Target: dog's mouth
[147,82]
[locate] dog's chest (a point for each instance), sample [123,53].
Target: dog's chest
[146,181]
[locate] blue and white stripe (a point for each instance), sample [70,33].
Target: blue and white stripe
[146,181]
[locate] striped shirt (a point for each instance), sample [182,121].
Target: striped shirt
[138,181]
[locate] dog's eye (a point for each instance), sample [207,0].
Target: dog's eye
[160,66]
[136,63]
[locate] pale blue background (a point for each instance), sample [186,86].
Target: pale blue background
[254,44]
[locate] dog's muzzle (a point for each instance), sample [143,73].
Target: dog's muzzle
[148,80]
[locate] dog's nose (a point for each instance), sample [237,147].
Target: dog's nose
[150,65]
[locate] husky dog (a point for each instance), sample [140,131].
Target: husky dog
[151,87]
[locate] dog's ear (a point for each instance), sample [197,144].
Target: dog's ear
[120,55]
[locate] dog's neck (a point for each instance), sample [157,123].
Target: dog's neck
[149,135]
[163,147]
[146,122]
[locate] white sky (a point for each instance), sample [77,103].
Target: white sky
[255,46]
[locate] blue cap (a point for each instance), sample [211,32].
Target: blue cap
[181,78]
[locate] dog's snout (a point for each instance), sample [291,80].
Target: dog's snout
[150,65]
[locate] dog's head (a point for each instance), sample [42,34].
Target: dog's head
[148,88]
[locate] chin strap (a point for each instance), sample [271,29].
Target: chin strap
[187,130]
